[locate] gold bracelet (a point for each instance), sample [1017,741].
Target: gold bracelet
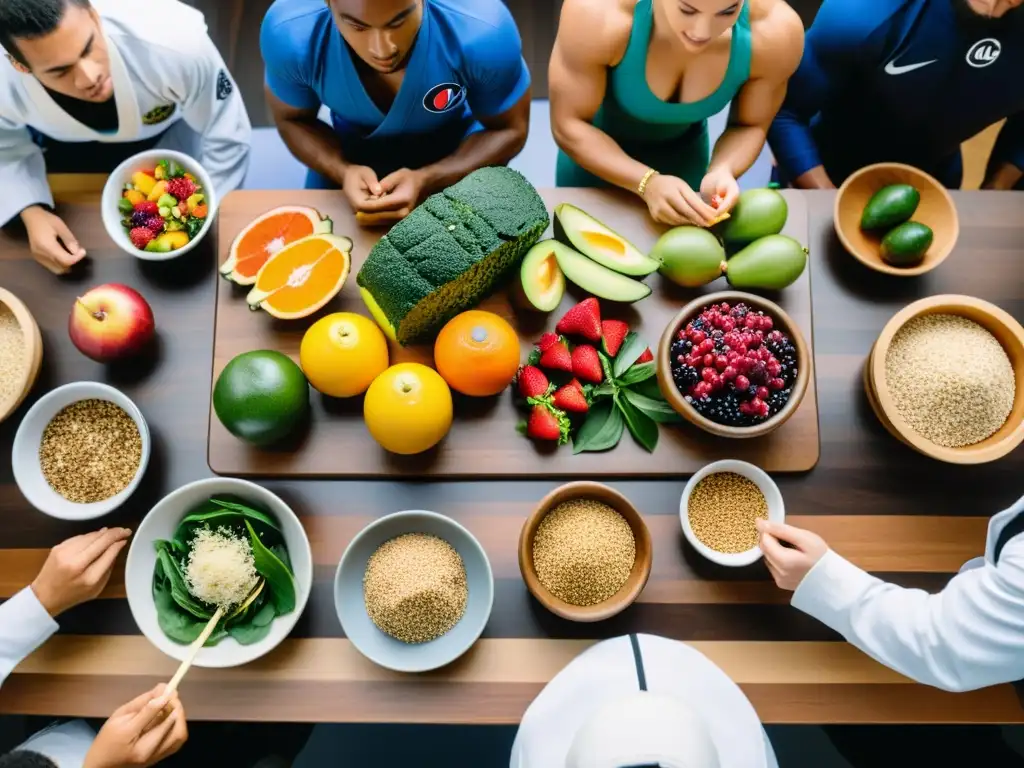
[642,186]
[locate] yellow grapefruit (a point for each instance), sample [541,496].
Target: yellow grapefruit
[408,408]
[268,235]
[299,280]
[341,354]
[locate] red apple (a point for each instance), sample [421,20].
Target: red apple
[110,322]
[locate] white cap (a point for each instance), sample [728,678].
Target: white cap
[644,729]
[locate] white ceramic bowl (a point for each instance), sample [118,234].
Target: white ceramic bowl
[772,495]
[123,174]
[28,473]
[161,523]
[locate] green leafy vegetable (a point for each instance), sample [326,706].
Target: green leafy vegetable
[193,226]
[638,373]
[278,577]
[606,366]
[632,347]
[602,429]
[657,409]
[124,205]
[642,427]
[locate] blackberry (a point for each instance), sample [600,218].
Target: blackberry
[739,312]
[140,219]
[725,410]
[703,405]
[697,324]
[678,348]
[685,376]
[759,373]
[778,399]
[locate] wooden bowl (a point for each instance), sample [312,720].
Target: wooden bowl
[33,353]
[783,322]
[641,566]
[1001,325]
[936,211]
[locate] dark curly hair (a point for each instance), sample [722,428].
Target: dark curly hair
[29,19]
[24,759]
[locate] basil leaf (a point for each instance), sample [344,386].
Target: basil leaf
[656,408]
[278,577]
[642,427]
[602,429]
[632,347]
[638,373]
[606,365]
[648,388]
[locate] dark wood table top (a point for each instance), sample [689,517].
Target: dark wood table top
[894,512]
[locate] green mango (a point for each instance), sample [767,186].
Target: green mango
[890,206]
[906,245]
[757,213]
[771,263]
[689,256]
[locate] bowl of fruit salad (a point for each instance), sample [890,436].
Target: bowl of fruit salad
[734,364]
[158,205]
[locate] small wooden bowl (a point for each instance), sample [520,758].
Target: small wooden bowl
[641,566]
[1001,325]
[33,352]
[784,322]
[936,211]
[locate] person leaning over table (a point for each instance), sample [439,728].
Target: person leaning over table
[87,85]
[906,81]
[421,93]
[633,83]
[140,733]
[639,701]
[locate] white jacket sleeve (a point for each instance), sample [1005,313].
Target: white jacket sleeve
[24,626]
[22,172]
[212,106]
[968,636]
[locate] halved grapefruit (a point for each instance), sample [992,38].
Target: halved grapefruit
[267,235]
[298,280]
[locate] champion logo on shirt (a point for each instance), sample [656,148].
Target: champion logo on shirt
[444,98]
[984,52]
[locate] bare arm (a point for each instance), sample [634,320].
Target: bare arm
[311,140]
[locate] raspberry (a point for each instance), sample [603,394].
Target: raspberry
[141,237]
[148,207]
[181,189]
[155,224]
[742,382]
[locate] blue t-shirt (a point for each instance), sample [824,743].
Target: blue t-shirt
[466,65]
[904,81]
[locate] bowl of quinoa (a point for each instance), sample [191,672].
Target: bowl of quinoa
[21,352]
[80,451]
[946,377]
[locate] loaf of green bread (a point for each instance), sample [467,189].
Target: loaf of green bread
[450,252]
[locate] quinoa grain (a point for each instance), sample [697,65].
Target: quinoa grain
[12,354]
[723,509]
[90,451]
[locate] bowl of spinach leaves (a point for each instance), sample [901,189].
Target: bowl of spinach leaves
[213,542]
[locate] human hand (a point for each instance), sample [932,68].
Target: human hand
[78,569]
[789,566]
[141,733]
[402,192]
[672,201]
[721,185]
[51,241]
[360,185]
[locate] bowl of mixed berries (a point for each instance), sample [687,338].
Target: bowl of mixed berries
[158,205]
[734,364]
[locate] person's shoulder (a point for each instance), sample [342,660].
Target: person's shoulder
[290,28]
[601,28]
[859,18]
[777,37]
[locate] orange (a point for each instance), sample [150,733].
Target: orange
[477,353]
[341,354]
[303,277]
[408,408]
[267,235]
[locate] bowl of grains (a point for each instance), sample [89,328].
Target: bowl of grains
[21,352]
[414,591]
[585,552]
[720,508]
[946,377]
[80,451]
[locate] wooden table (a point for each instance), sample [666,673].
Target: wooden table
[890,510]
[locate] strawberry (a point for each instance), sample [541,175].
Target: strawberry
[556,357]
[613,333]
[547,423]
[147,207]
[181,188]
[532,382]
[586,364]
[646,357]
[546,340]
[582,320]
[141,237]
[571,398]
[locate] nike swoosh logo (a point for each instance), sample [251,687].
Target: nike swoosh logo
[893,69]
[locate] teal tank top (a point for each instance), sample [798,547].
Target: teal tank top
[671,137]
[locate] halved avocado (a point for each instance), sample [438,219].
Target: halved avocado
[594,240]
[595,279]
[541,279]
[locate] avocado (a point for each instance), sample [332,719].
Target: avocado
[541,279]
[689,256]
[771,263]
[890,206]
[580,230]
[758,213]
[593,278]
[907,244]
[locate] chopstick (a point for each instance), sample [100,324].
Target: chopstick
[193,651]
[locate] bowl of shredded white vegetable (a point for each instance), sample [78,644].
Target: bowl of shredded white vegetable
[225,544]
